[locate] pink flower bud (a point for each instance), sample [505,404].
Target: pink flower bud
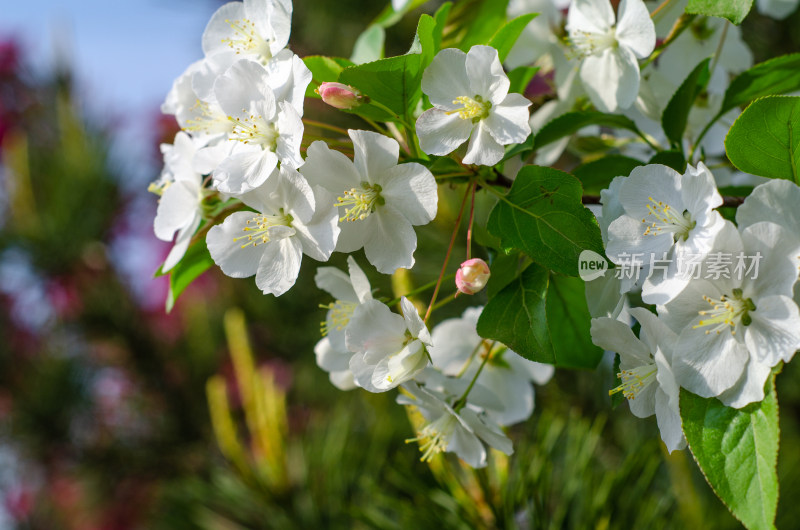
[339,95]
[472,276]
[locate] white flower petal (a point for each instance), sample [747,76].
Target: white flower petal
[290,127]
[774,334]
[488,433]
[612,335]
[336,283]
[749,388]
[391,240]
[329,169]
[375,330]
[486,76]
[359,281]
[440,133]
[708,364]
[594,16]
[483,149]
[446,78]
[181,244]
[279,265]
[243,84]
[375,154]
[177,209]
[411,189]
[635,28]
[230,255]
[246,169]
[669,423]
[508,122]
[329,359]
[319,235]
[611,79]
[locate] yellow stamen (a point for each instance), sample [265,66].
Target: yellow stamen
[474,109]
[361,201]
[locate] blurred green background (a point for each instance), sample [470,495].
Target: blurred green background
[104,398]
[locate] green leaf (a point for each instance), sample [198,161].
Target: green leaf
[394,82]
[324,69]
[733,10]
[572,122]
[737,450]
[521,77]
[676,113]
[504,269]
[195,262]
[517,316]
[369,45]
[506,36]
[568,320]
[780,75]
[765,139]
[542,215]
[673,159]
[485,20]
[598,174]
[541,318]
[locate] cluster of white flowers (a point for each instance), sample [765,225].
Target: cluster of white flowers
[240,109]
[723,324]
[465,386]
[240,165]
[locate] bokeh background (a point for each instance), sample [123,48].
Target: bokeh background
[117,415]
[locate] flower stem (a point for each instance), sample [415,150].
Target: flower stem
[714,62]
[683,22]
[322,125]
[462,401]
[447,256]
[418,290]
[657,10]
[471,219]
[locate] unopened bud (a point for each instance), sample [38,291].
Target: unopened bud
[339,95]
[472,276]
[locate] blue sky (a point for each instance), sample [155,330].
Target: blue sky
[126,53]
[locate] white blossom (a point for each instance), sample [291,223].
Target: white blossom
[648,382]
[289,220]
[263,129]
[389,349]
[257,29]
[349,291]
[379,200]
[609,47]
[666,214]
[735,327]
[469,93]
[449,430]
[181,188]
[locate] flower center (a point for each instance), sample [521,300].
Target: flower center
[586,43]
[665,219]
[435,437]
[474,109]
[727,312]
[206,119]
[257,230]
[339,313]
[254,130]
[245,39]
[360,202]
[635,380]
